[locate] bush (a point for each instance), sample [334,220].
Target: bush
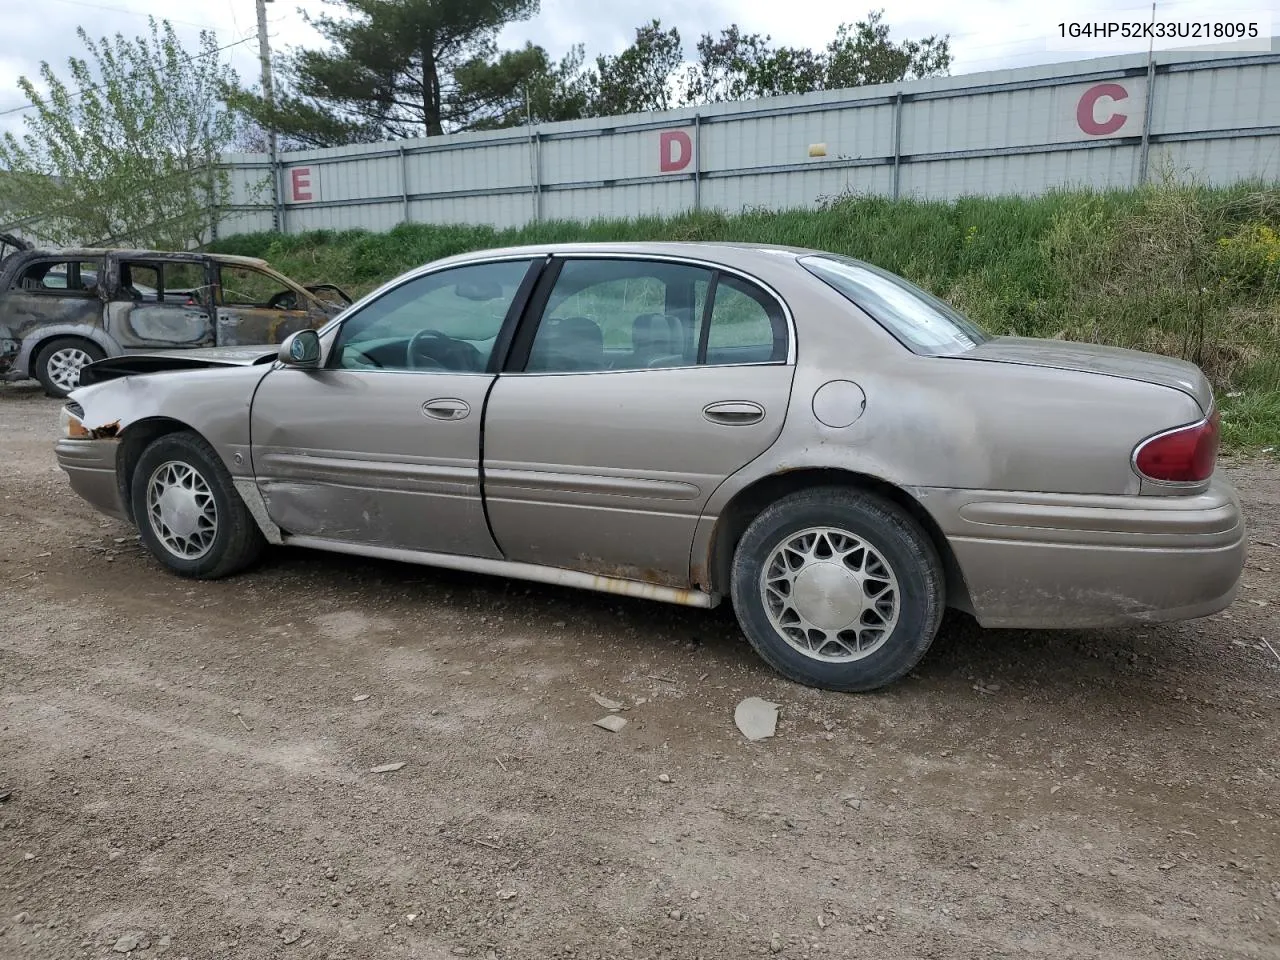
[1249,260]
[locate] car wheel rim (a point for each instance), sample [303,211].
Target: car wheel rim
[181,510]
[65,365]
[830,595]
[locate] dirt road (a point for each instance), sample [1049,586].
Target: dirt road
[190,768]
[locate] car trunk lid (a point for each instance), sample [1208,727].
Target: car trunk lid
[1095,358]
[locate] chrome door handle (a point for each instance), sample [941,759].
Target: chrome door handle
[734,413]
[446,409]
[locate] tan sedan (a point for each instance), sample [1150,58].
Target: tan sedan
[840,453]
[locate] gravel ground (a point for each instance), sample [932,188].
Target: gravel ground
[190,767]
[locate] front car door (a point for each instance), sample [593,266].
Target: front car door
[643,384]
[160,303]
[257,306]
[381,447]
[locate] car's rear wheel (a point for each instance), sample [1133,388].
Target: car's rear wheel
[838,589]
[59,362]
[188,512]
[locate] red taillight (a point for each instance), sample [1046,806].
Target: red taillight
[1185,455]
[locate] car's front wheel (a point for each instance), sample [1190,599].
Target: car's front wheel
[58,364]
[188,512]
[838,589]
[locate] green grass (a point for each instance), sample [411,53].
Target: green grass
[1251,421]
[1177,269]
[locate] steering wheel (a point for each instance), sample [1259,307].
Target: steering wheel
[450,354]
[284,300]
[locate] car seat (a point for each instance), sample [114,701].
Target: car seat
[657,340]
[564,344]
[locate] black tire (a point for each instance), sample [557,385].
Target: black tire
[236,543]
[889,531]
[51,374]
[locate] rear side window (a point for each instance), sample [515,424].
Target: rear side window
[619,314]
[139,281]
[746,325]
[185,282]
[633,314]
[920,321]
[164,281]
[67,278]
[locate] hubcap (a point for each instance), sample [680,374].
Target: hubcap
[830,594]
[65,365]
[181,510]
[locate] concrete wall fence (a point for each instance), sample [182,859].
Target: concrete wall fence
[1100,123]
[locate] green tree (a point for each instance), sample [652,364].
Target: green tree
[124,149]
[643,77]
[395,69]
[737,66]
[408,68]
[524,85]
[565,92]
[863,54]
[723,70]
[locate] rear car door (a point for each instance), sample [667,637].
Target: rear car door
[255,306]
[159,303]
[52,290]
[58,294]
[381,447]
[643,384]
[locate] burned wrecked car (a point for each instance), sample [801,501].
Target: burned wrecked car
[63,309]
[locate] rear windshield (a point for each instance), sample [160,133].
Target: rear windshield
[922,322]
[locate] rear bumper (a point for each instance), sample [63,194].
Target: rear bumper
[1050,560]
[91,467]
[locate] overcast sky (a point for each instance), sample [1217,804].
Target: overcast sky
[986,34]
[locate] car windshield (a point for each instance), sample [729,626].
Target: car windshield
[921,321]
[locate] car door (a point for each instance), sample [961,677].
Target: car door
[160,303]
[52,290]
[381,446]
[255,306]
[644,384]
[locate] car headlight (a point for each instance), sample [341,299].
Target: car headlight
[71,426]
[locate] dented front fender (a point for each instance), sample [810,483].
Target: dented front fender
[212,402]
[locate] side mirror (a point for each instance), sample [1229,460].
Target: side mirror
[301,349]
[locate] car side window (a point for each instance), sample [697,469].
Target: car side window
[619,314]
[180,282]
[622,314]
[139,281]
[443,321]
[244,286]
[185,282]
[65,278]
[747,325]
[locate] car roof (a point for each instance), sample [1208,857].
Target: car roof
[71,253]
[734,254]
